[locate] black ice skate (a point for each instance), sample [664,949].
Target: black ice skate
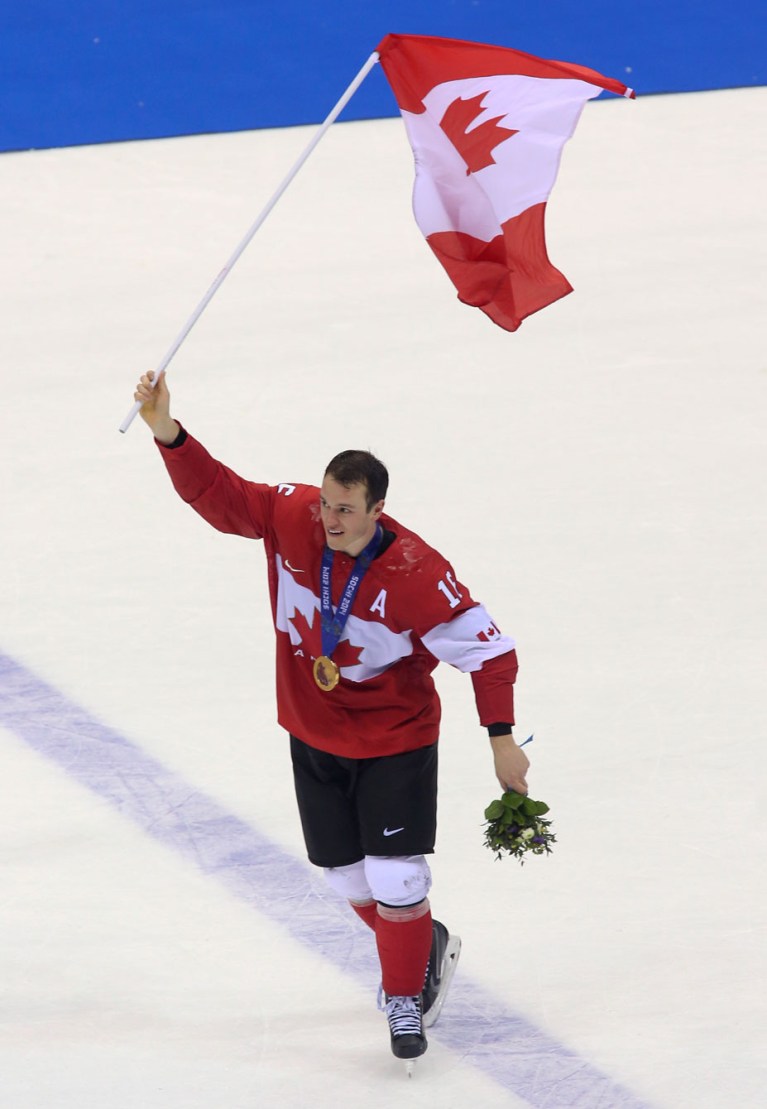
[445,950]
[406,1026]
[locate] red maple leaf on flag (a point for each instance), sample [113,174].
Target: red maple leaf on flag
[476,146]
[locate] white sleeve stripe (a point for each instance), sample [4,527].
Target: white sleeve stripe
[467,640]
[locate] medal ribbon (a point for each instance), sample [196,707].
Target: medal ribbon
[333,626]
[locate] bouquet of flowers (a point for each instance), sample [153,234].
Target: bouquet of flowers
[515,825]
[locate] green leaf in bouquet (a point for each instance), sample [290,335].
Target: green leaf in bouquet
[494,810]
[512,800]
[535,808]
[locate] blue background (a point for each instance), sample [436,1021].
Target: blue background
[89,71]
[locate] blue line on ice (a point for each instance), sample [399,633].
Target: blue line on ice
[475,1025]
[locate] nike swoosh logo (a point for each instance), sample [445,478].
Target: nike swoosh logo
[393,831]
[295,571]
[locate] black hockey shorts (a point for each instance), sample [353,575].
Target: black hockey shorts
[350,808]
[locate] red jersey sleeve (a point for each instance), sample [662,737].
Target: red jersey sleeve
[494,689]
[228,502]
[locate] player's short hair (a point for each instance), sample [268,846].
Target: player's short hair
[360,468]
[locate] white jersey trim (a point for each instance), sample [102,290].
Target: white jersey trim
[468,640]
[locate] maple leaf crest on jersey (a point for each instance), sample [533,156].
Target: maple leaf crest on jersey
[366,648]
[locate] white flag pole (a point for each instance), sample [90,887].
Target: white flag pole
[336,111]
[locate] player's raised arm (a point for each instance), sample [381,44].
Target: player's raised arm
[155,408]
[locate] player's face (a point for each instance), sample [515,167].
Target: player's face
[348,522]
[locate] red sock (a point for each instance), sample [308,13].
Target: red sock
[367,911]
[403,937]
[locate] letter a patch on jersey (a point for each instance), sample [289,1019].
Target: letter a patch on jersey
[379,604]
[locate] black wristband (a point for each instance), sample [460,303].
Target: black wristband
[177,442]
[499,729]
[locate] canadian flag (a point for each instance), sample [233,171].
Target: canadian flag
[487,126]
[489,634]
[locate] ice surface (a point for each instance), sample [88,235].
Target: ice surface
[598,481]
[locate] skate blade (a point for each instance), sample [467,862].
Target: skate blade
[452,954]
[409,1067]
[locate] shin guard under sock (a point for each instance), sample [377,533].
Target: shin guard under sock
[367,911]
[403,937]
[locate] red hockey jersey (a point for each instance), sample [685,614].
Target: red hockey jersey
[410,612]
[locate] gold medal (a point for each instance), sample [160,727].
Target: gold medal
[326,673]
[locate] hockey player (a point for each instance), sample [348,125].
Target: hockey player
[363,611]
